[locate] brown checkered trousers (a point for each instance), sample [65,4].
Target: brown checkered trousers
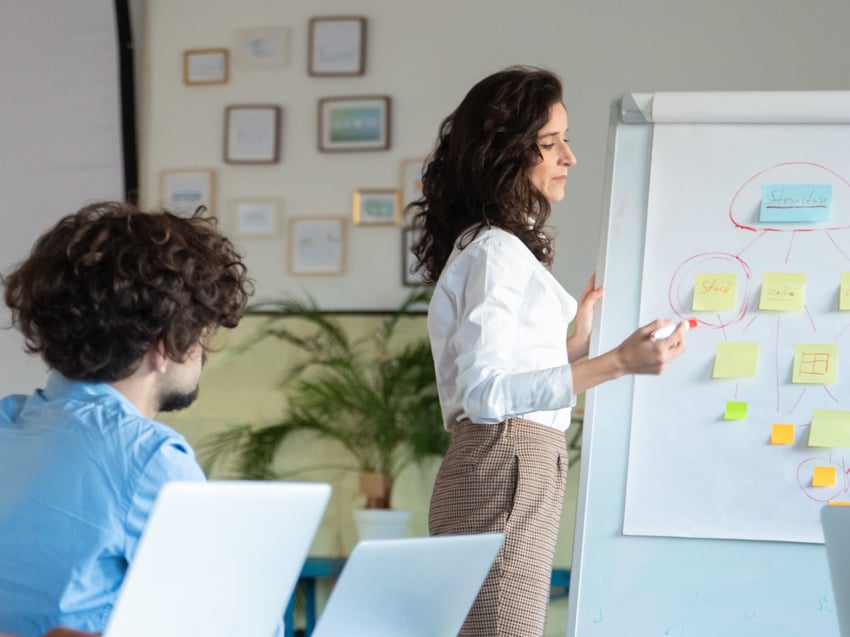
[506,478]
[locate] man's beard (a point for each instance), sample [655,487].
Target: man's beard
[175,400]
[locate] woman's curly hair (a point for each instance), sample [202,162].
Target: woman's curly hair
[479,170]
[105,285]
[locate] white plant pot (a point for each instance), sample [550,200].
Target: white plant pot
[381,524]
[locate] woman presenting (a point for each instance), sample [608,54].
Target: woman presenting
[507,374]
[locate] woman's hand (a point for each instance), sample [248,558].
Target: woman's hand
[578,344]
[639,354]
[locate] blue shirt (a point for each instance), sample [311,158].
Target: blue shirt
[80,468]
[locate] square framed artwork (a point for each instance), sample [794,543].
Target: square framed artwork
[184,190]
[255,218]
[336,46]
[262,47]
[376,207]
[206,66]
[316,245]
[252,134]
[354,123]
[409,278]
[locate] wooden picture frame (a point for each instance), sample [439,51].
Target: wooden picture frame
[355,123]
[316,245]
[262,47]
[252,134]
[255,217]
[183,190]
[411,180]
[336,46]
[376,207]
[206,66]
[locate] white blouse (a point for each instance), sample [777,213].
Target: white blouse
[498,327]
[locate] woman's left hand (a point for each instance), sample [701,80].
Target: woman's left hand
[578,344]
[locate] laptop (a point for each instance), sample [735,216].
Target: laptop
[417,587]
[836,537]
[218,559]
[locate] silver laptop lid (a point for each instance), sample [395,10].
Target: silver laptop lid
[218,559]
[418,587]
[836,536]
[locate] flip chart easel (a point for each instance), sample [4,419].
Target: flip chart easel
[688,582]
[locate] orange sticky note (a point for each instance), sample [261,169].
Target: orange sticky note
[782,434]
[823,477]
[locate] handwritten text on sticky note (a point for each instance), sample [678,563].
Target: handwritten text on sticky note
[715,292]
[815,363]
[795,203]
[782,291]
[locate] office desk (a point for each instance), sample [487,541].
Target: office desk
[313,569]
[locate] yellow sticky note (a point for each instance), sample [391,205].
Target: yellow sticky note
[715,292]
[815,363]
[823,477]
[844,293]
[736,360]
[735,410]
[782,434]
[830,428]
[782,291]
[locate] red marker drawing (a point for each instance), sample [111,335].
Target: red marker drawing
[664,332]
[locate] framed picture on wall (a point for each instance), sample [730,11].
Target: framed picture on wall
[261,47]
[376,207]
[411,180]
[205,66]
[409,237]
[252,134]
[337,46]
[354,123]
[183,190]
[255,217]
[316,245]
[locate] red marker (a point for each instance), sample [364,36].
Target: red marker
[664,332]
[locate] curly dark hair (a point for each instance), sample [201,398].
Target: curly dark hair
[105,285]
[479,170]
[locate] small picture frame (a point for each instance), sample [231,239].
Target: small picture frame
[376,207]
[262,47]
[411,180]
[252,134]
[183,190]
[354,123]
[316,245]
[255,218]
[336,46]
[205,66]
[409,278]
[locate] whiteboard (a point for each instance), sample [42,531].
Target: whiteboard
[659,461]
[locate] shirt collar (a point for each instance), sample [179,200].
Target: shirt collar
[58,385]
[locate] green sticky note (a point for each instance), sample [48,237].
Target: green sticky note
[782,291]
[736,360]
[715,292]
[844,293]
[735,410]
[830,428]
[815,363]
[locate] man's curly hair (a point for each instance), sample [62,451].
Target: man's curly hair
[105,285]
[479,171]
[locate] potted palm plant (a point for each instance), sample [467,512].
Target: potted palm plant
[374,397]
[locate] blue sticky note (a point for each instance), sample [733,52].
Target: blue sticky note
[795,203]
